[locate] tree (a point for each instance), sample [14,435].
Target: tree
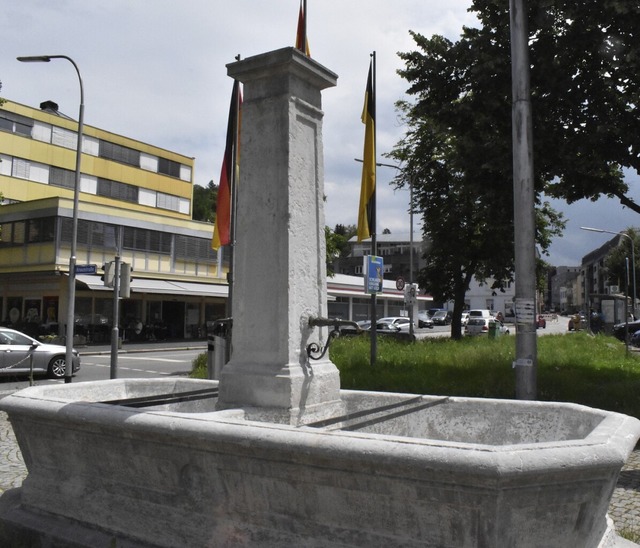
[457,150]
[338,243]
[585,87]
[205,200]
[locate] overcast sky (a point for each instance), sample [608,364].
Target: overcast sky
[154,70]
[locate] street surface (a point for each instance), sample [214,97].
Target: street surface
[131,365]
[554,327]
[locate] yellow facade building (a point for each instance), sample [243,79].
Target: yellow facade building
[136,200]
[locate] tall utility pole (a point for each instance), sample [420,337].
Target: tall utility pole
[524,207]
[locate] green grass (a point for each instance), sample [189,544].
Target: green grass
[579,368]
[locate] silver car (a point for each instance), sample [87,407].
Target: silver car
[18,351]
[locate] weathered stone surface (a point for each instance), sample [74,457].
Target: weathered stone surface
[171,478]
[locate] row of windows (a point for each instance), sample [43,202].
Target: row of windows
[56,176]
[31,231]
[94,234]
[55,135]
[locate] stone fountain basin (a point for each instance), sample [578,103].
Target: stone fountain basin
[396,469]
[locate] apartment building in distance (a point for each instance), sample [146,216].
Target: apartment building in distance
[135,200]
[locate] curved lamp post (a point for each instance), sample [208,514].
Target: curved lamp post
[74,233]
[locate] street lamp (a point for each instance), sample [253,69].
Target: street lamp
[410,235]
[633,258]
[74,232]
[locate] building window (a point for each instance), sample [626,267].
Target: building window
[118,153]
[64,138]
[168,167]
[140,239]
[31,231]
[40,230]
[15,123]
[62,177]
[192,248]
[117,191]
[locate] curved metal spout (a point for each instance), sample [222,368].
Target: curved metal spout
[314,350]
[336,323]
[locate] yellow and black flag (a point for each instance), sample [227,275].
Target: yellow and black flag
[367,210]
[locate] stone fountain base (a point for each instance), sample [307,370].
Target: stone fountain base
[118,462]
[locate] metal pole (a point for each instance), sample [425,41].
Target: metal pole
[71,312]
[626,310]
[115,332]
[411,329]
[374,243]
[524,206]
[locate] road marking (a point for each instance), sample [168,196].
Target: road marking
[168,360]
[106,365]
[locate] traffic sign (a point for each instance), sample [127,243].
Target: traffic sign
[399,283]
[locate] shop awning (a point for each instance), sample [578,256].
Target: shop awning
[159,287]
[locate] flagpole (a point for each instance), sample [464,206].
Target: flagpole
[234,209]
[374,243]
[304,27]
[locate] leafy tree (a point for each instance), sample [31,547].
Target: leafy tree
[585,90]
[205,200]
[338,243]
[457,154]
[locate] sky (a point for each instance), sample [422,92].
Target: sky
[155,71]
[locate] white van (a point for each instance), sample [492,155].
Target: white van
[480,313]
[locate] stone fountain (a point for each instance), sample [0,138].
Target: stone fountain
[276,454]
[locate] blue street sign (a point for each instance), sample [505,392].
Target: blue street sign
[86,269]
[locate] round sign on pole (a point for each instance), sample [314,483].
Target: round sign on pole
[399,283]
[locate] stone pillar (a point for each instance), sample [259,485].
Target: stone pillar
[280,271]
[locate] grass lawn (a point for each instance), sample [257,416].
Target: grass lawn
[577,367]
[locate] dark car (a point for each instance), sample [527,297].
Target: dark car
[619,329]
[541,322]
[441,317]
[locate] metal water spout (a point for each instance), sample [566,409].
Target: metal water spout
[316,351]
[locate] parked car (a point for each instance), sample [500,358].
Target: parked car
[424,320]
[480,313]
[401,322]
[442,317]
[541,322]
[619,329]
[480,326]
[464,319]
[18,350]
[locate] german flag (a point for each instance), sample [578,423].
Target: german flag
[302,43]
[366,211]
[228,173]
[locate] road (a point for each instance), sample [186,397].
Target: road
[553,327]
[131,365]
